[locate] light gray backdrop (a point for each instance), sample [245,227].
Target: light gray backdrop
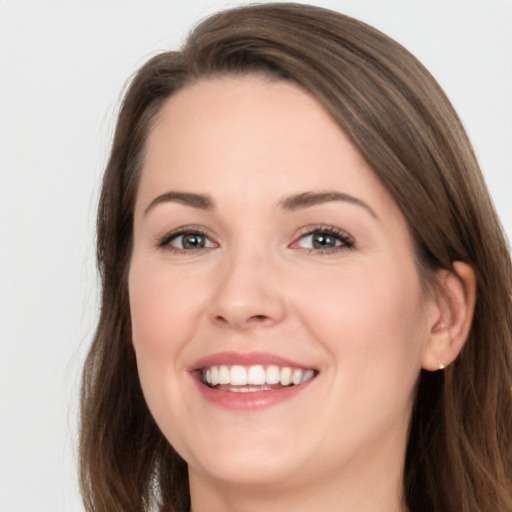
[62,67]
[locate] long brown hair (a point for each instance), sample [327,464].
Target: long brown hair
[459,455]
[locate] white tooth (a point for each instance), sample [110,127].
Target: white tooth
[286,376]
[296,376]
[223,375]
[238,376]
[208,376]
[308,374]
[215,375]
[273,376]
[256,375]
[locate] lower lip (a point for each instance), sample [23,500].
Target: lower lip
[251,400]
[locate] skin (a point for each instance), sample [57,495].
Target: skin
[356,312]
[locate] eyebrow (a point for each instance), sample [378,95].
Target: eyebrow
[200,201]
[290,203]
[309,199]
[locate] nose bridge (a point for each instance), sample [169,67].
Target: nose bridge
[247,292]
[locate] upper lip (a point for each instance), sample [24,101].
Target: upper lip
[246,359]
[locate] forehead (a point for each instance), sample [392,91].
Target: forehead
[260,136]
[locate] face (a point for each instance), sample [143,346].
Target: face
[277,312]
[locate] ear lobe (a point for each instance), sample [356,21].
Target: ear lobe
[452,313]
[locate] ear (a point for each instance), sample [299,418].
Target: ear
[450,316]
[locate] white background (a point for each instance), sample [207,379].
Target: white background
[62,68]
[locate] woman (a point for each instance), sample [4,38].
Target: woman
[305,288]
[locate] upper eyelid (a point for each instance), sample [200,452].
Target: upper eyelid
[162,240]
[325,228]
[347,241]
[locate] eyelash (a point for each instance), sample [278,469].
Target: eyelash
[346,241]
[165,241]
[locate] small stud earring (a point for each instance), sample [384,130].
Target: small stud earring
[441,365]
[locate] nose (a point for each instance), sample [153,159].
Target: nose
[247,294]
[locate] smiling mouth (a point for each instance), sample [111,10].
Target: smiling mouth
[238,378]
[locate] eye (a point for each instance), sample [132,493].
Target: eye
[325,239]
[186,240]
[189,241]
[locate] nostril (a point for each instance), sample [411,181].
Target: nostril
[258,317]
[257,320]
[247,321]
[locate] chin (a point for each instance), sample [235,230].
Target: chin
[247,461]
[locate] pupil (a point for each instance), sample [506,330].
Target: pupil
[321,241]
[193,241]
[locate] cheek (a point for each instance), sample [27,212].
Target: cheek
[147,304]
[365,314]
[369,321]
[150,331]
[162,308]
[158,311]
